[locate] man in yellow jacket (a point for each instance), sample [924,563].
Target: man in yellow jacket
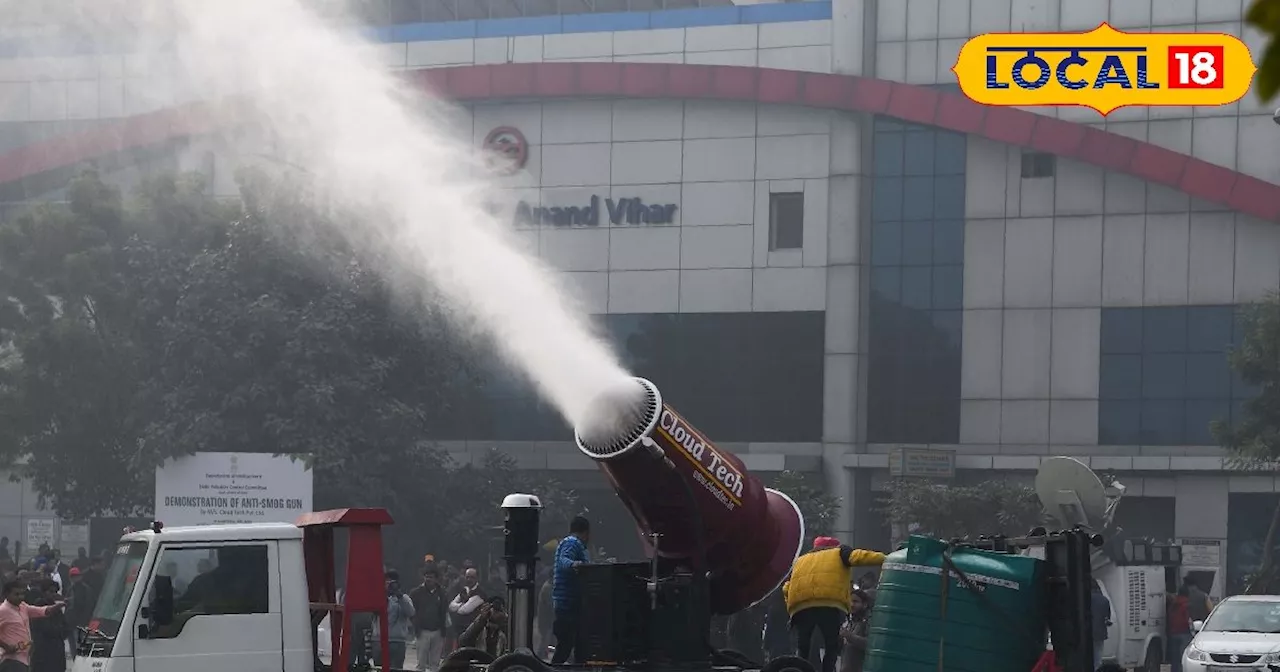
[817,594]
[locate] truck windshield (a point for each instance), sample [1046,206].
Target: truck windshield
[117,586]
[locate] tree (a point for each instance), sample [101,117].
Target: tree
[818,507]
[957,511]
[172,322]
[1265,16]
[475,491]
[80,285]
[1252,439]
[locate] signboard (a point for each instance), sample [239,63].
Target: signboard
[232,488]
[39,532]
[1205,553]
[618,211]
[72,536]
[922,463]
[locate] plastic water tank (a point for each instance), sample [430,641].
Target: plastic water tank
[989,617]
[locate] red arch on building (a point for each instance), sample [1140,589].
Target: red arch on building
[908,102]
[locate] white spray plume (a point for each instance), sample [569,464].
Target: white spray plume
[382,151]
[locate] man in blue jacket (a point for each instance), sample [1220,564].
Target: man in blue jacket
[570,554]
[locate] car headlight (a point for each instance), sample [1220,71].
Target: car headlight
[1196,654]
[1272,658]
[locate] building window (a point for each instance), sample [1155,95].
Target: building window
[917,284]
[786,220]
[749,376]
[1038,164]
[1163,375]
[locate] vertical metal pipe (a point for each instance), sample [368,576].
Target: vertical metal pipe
[520,552]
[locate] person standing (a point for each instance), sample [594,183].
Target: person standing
[15,626]
[571,554]
[80,608]
[1100,607]
[466,604]
[49,634]
[818,595]
[430,612]
[854,633]
[1198,603]
[399,622]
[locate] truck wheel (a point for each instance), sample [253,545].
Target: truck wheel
[788,664]
[460,660]
[1153,660]
[517,661]
[733,658]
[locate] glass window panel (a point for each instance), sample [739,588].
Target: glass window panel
[1200,415]
[948,199]
[951,148]
[1164,376]
[888,125]
[1121,330]
[1164,329]
[888,154]
[919,149]
[948,241]
[885,334]
[950,325]
[948,286]
[1209,328]
[1120,377]
[917,243]
[1119,423]
[1208,376]
[886,243]
[1162,423]
[917,198]
[917,287]
[1239,328]
[886,282]
[886,199]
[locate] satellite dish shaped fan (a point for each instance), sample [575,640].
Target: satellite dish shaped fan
[1072,494]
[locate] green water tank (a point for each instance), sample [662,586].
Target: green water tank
[993,619]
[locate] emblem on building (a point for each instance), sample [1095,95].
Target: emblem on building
[506,150]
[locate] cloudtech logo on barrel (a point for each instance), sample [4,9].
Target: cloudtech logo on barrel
[1104,69]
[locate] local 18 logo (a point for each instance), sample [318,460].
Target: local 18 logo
[1104,69]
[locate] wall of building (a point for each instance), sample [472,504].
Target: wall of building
[1097,308]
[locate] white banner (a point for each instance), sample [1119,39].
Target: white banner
[232,488]
[39,531]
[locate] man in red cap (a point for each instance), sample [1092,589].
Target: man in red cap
[80,607]
[817,594]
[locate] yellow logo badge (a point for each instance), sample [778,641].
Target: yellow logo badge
[1104,69]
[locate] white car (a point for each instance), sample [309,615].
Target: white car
[1241,635]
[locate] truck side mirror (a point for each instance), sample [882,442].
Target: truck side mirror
[1196,626]
[161,607]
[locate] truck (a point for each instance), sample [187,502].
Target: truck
[718,542]
[246,607]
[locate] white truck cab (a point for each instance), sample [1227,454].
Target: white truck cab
[203,599]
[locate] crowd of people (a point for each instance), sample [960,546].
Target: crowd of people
[45,600]
[454,606]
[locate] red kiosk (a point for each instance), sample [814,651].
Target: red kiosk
[365,589]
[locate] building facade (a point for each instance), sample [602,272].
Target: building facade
[837,254]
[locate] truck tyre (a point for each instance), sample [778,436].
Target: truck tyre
[788,664]
[733,658]
[460,660]
[517,661]
[1153,659]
